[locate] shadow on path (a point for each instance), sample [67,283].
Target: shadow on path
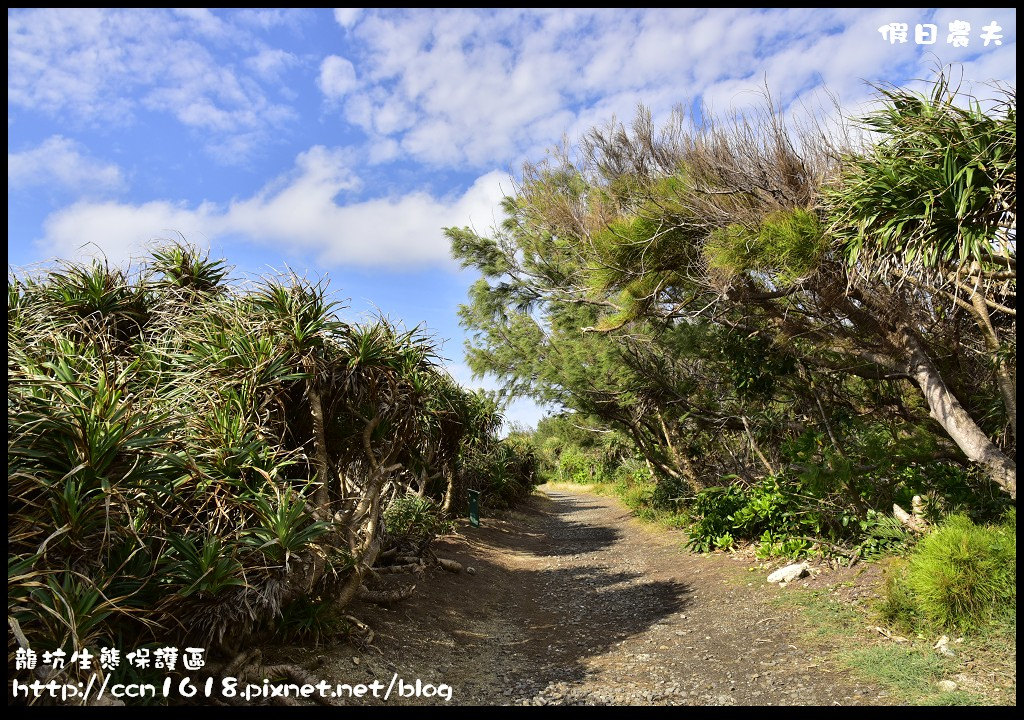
[581,601]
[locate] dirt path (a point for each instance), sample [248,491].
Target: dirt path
[575,602]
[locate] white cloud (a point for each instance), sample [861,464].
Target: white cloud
[347,17]
[480,87]
[204,22]
[60,161]
[104,67]
[121,231]
[337,76]
[267,18]
[299,211]
[269,63]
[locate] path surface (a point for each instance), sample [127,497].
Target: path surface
[575,602]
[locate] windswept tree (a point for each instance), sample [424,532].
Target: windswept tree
[930,213]
[744,281]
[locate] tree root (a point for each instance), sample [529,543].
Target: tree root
[367,630]
[248,667]
[388,554]
[240,660]
[384,597]
[414,567]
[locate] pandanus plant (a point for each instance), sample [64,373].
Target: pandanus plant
[191,457]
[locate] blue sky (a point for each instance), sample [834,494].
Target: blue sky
[340,142]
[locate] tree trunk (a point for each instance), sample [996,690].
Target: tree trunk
[943,405]
[681,459]
[321,498]
[449,493]
[1007,383]
[956,421]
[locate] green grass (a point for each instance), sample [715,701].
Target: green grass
[961,578]
[827,617]
[957,697]
[910,671]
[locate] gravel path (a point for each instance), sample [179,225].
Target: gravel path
[575,602]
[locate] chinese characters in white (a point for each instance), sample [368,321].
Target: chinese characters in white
[959,35]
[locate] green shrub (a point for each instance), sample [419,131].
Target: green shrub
[311,620]
[961,577]
[637,496]
[504,471]
[670,494]
[898,606]
[572,466]
[576,467]
[714,507]
[882,535]
[766,511]
[413,520]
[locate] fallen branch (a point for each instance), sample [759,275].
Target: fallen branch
[449,565]
[384,597]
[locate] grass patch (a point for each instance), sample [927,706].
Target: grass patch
[957,697]
[961,578]
[911,672]
[984,665]
[826,616]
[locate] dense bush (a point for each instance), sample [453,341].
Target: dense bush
[786,519]
[411,522]
[211,460]
[961,577]
[578,466]
[764,512]
[504,471]
[840,503]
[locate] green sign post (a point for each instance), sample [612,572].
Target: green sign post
[474,508]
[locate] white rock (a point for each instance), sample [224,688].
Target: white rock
[788,573]
[947,685]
